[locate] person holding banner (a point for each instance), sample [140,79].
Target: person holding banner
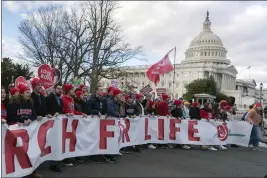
[3,105]
[254,118]
[138,105]
[54,107]
[38,99]
[21,111]
[163,107]
[194,111]
[178,113]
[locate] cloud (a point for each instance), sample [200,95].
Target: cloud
[158,26]
[11,48]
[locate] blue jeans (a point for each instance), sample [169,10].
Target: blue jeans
[255,136]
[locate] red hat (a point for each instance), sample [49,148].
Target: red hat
[23,88]
[79,93]
[110,88]
[195,104]
[67,88]
[35,81]
[138,96]
[127,97]
[151,103]
[82,86]
[227,108]
[164,96]
[13,91]
[116,91]
[223,103]
[258,104]
[178,102]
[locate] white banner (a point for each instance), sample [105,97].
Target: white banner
[25,148]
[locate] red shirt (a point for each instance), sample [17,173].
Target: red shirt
[3,111]
[163,108]
[204,114]
[68,105]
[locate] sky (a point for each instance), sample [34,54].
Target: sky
[159,26]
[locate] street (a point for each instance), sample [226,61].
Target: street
[234,162]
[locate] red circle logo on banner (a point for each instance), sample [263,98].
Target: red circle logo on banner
[222,131]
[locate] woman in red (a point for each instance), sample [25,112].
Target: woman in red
[3,105]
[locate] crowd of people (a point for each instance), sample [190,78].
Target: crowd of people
[23,106]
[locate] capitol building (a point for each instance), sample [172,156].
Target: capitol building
[205,56]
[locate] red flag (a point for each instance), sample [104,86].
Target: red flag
[161,67]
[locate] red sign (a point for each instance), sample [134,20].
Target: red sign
[49,76]
[21,80]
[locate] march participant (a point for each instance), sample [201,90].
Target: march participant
[130,111]
[150,108]
[245,114]
[178,113]
[163,107]
[3,105]
[69,109]
[186,108]
[54,107]
[38,99]
[206,114]
[146,100]
[105,99]
[138,104]
[113,110]
[194,111]
[95,107]
[223,114]
[21,111]
[80,102]
[254,118]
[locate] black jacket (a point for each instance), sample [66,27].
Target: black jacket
[18,112]
[105,104]
[130,109]
[52,105]
[95,105]
[177,112]
[194,113]
[138,107]
[81,106]
[40,108]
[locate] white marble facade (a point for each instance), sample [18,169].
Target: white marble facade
[205,56]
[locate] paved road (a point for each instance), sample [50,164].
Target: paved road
[235,162]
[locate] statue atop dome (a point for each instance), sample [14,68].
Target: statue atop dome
[207,18]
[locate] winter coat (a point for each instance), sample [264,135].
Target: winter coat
[52,106]
[177,112]
[95,105]
[68,105]
[139,109]
[163,108]
[81,106]
[130,109]
[20,111]
[194,113]
[113,108]
[39,103]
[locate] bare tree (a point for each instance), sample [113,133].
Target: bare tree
[85,42]
[108,50]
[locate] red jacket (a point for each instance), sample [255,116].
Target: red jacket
[68,105]
[3,111]
[204,114]
[163,108]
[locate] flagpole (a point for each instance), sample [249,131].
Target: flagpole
[249,73]
[173,80]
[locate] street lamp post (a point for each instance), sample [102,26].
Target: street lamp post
[261,85]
